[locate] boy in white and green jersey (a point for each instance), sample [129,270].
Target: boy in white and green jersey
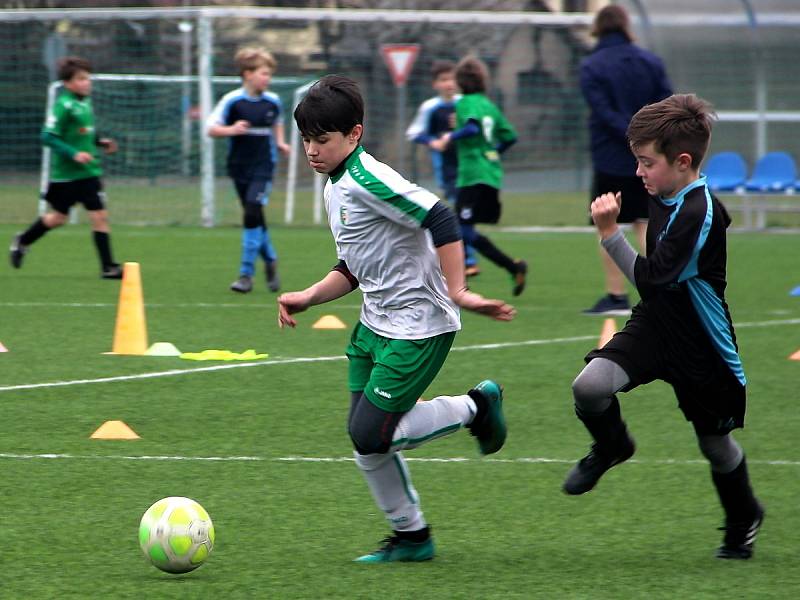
[401,246]
[482,134]
[74,167]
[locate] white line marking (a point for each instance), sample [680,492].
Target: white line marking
[313,359]
[349,459]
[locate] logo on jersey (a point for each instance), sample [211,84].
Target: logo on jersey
[343,215]
[381,393]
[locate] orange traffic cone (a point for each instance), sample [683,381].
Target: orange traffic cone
[608,331]
[130,334]
[795,356]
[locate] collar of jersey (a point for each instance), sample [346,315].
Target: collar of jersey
[337,173]
[700,181]
[72,94]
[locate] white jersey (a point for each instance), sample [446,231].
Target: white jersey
[376,217]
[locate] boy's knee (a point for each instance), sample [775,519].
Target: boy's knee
[366,441]
[54,219]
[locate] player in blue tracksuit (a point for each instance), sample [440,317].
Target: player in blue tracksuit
[434,118]
[252,118]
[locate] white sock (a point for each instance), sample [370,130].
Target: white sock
[390,483]
[433,419]
[387,474]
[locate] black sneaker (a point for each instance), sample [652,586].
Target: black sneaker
[17,251]
[519,277]
[273,281]
[610,305]
[740,538]
[585,475]
[111,272]
[242,285]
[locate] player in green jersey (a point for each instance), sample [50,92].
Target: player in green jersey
[482,134]
[74,168]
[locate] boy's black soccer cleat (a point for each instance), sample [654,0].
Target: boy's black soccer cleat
[585,475]
[741,537]
[17,251]
[113,271]
[519,277]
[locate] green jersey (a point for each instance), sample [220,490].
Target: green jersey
[71,121]
[478,159]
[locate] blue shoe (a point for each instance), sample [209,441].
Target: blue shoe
[611,306]
[491,430]
[395,549]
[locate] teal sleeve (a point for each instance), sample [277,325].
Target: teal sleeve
[58,145]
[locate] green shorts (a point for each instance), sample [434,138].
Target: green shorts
[394,373]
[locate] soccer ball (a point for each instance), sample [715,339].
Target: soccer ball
[176,534]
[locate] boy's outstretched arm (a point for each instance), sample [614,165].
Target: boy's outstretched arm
[334,285]
[451,257]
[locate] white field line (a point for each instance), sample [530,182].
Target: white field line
[314,359]
[265,363]
[349,459]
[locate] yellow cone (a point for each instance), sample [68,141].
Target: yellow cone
[130,334]
[608,331]
[795,356]
[329,322]
[114,430]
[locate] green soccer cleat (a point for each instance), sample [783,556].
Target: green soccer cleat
[489,425]
[395,549]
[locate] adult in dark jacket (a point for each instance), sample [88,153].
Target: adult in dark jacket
[617,79]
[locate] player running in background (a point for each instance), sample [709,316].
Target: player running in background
[401,246]
[435,117]
[681,331]
[482,134]
[74,167]
[251,117]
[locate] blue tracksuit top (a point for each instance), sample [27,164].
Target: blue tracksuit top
[617,79]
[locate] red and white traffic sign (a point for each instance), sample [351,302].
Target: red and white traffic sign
[400,59]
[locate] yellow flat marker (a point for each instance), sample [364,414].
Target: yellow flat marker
[329,322]
[114,430]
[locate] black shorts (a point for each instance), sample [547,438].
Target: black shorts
[708,393]
[634,195]
[479,203]
[63,195]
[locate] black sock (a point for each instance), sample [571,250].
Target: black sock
[33,233]
[484,245]
[418,536]
[103,243]
[735,494]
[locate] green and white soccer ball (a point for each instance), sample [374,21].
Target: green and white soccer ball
[176,534]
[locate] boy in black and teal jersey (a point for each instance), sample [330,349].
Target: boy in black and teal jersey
[74,168]
[681,331]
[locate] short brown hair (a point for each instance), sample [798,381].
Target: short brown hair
[442,66]
[676,125]
[67,66]
[250,59]
[472,75]
[612,18]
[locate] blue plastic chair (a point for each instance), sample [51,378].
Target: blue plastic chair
[774,172]
[725,172]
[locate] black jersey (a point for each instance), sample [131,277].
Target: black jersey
[683,278]
[254,154]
